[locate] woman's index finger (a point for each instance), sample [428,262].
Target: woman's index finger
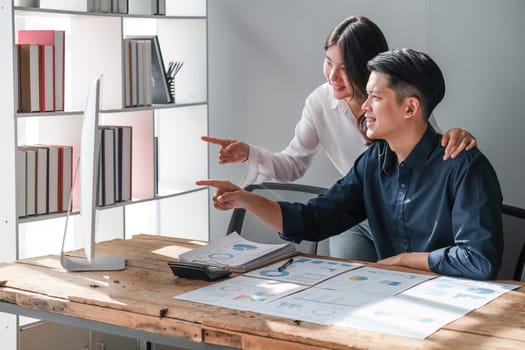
[216,141]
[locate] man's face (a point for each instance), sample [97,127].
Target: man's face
[383,113]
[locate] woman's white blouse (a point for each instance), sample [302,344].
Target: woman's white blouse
[326,123]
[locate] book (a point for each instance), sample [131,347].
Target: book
[124,162]
[47,89]
[55,38]
[28,78]
[106,171]
[238,254]
[20,164]
[147,72]
[52,178]
[46,178]
[137,72]
[65,174]
[141,68]
[134,80]
[142,7]
[30,179]
[35,77]
[160,92]
[117,153]
[161,10]
[59,177]
[127,72]
[42,171]
[122,6]
[91,6]
[105,6]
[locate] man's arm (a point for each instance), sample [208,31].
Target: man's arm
[229,196]
[476,222]
[413,260]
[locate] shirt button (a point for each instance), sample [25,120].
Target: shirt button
[402,165]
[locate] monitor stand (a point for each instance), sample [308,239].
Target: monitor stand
[74,263]
[100,263]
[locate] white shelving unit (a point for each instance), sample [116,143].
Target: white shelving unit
[93,47]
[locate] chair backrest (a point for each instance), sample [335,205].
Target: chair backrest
[251,228]
[514,246]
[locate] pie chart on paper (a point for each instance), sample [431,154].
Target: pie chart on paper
[243,247]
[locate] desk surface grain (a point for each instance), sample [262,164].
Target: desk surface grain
[142,297]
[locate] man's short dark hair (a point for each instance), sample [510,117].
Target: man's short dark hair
[411,74]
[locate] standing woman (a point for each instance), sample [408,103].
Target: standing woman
[332,120]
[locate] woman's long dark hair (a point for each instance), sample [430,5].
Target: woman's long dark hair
[360,40]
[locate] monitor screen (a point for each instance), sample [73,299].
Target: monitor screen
[89,154]
[89,163]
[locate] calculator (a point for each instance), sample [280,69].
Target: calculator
[198,271]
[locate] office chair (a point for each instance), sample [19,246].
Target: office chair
[512,266]
[251,228]
[519,272]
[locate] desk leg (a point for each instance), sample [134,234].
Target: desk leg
[9,331]
[144,345]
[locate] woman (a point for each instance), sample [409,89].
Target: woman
[332,120]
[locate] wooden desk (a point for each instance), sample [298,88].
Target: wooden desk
[139,301]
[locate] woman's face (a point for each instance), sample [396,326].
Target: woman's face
[335,73]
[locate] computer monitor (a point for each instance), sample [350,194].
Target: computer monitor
[89,164]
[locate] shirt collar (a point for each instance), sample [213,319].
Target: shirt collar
[340,105]
[333,102]
[417,157]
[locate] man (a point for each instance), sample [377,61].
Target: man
[424,213]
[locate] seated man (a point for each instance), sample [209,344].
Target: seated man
[424,213]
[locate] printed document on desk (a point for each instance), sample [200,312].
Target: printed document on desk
[336,299]
[238,253]
[381,282]
[304,270]
[420,311]
[241,293]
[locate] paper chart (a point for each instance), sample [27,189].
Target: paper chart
[320,305]
[458,292]
[241,293]
[375,281]
[237,252]
[401,315]
[304,270]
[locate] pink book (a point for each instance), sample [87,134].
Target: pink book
[56,38]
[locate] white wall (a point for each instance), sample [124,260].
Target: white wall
[266,56]
[480,47]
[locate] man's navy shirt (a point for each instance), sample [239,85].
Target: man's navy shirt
[451,208]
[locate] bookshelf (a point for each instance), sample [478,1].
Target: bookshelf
[167,153]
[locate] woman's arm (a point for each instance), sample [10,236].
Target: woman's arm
[455,140]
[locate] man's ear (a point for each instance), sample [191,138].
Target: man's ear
[412,106]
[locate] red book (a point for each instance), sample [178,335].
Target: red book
[56,38]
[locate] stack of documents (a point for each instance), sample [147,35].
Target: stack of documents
[238,253]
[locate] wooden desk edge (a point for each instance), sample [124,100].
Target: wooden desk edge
[217,330]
